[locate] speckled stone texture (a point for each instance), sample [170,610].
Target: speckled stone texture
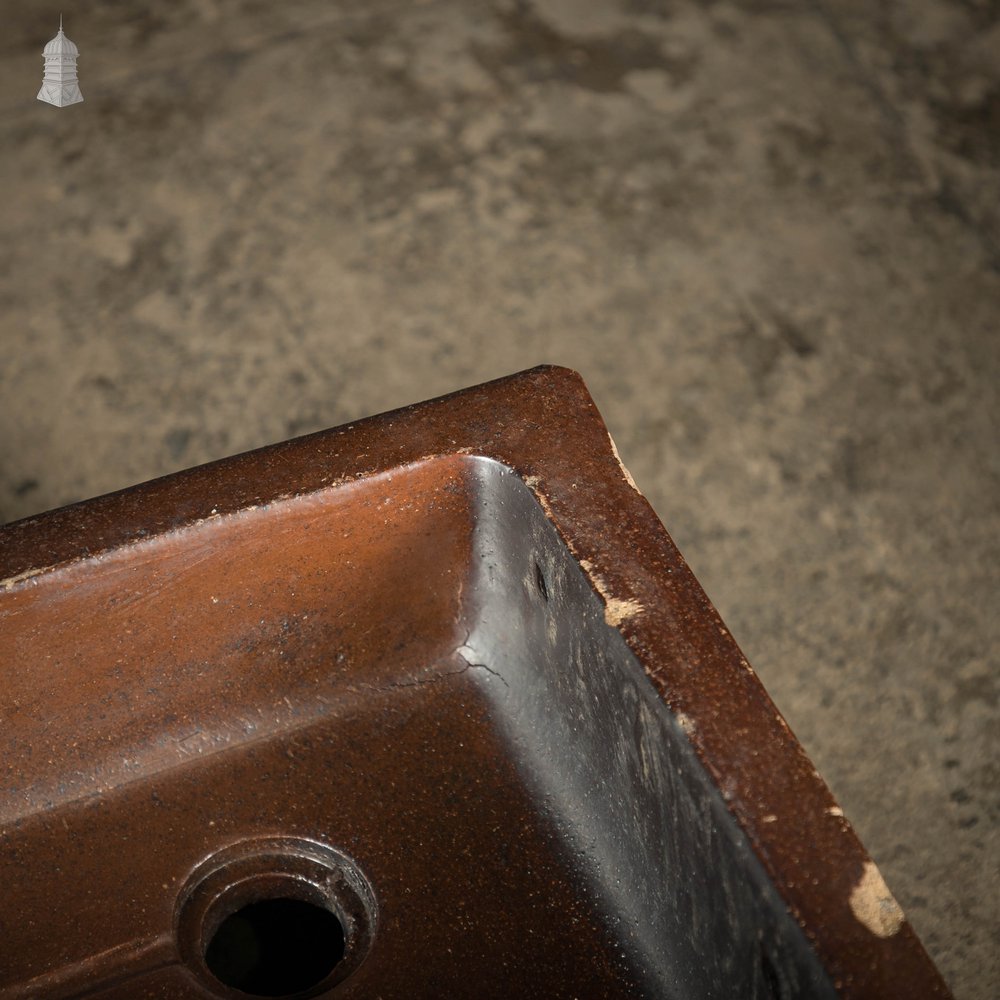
[767,233]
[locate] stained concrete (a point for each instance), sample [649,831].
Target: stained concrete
[767,232]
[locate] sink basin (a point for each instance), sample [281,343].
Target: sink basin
[426,706]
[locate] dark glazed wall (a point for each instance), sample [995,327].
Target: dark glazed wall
[676,879]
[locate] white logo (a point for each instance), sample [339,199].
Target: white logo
[60,86]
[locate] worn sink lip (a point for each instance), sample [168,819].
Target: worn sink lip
[543,425]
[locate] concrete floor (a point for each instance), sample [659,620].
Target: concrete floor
[767,233]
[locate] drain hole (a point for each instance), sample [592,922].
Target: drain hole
[276,947]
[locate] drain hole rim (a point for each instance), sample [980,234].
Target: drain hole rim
[274,868]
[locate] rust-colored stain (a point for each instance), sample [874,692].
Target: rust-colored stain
[426,706]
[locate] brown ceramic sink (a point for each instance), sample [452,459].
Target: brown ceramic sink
[428,706]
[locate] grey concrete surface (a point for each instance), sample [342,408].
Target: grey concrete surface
[767,232]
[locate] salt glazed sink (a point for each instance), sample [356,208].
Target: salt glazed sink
[428,706]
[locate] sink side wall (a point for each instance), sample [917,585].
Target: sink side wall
[683,893]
